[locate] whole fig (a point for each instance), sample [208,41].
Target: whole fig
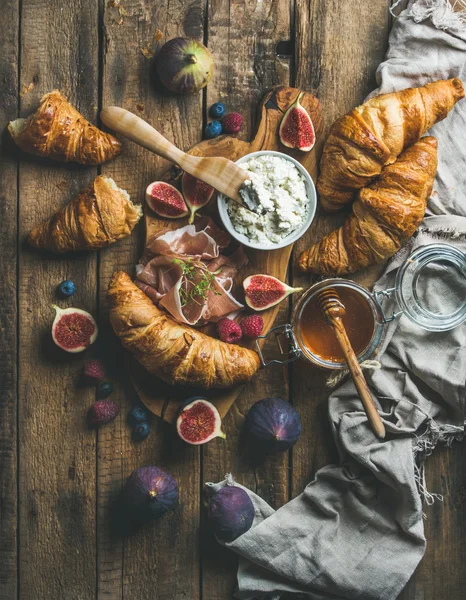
[184,65]
[231,512]
[273,424]
[149,493]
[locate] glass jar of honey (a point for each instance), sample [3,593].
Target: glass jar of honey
[310,336]
[429,288]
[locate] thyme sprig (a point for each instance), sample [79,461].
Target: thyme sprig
[197,292]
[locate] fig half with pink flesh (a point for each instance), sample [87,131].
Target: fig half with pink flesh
[196,193]
[263,291]
[166,201]
[296,129]
[73,330]
[199,422]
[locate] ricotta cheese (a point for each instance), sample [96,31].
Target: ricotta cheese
[282,202]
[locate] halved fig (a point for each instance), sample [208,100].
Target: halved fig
[264,291]
[196,193]
[296,128]
[73,329]
[199,422]
[165,200]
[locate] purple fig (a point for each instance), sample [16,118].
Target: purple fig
[273,424]
[184,65]
[231,512]
[149,493]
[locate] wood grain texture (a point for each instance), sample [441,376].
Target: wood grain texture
[8,303]
[243,37]
[67,545]
[160,561]
[338,63]
[59,49]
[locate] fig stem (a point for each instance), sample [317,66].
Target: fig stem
[192,59]
[152,494]
[222,435]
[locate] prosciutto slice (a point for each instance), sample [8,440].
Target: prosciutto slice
[178,263]
[202,240]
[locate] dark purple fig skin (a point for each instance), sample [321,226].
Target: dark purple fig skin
[273,424]
[150,492]
[231,513]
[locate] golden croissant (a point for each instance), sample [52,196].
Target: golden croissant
[176,353]
[98,216]
[57,130]
[385,215]
[372,135]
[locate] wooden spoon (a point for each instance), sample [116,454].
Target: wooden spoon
[334,310]
[222,174]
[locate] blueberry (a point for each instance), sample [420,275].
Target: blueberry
[141,431]
[217,110]
[213,129]
[138,414]
[104,389]
[66,288]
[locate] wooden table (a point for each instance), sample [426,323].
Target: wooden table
[58,478]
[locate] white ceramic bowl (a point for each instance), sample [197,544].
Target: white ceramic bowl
[294,235]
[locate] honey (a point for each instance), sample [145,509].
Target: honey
[318,335]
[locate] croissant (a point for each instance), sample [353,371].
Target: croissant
[375,133]
[57,130]
[174,352]
[385,215]
[98,216]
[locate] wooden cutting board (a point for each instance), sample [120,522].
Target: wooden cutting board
[163,399]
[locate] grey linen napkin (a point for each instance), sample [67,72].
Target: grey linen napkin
[357,530]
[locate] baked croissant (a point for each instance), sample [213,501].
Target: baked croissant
[385,215]
[375,133]
[98,216]
[57,130]
[174,352]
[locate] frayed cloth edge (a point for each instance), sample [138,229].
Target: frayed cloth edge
[444,14]
[423,446]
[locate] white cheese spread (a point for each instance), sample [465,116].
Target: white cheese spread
[282,201]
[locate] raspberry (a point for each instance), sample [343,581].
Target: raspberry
[229,331]
[232,123]
[94,371]
[252,326]
[102,411]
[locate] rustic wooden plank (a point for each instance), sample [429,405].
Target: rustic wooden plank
[9,27]
[59,49]
[242,37]
[161,560]
[441,573]
[338,47]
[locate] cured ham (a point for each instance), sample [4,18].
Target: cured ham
[183,272]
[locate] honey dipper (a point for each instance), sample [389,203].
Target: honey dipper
[334,310]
